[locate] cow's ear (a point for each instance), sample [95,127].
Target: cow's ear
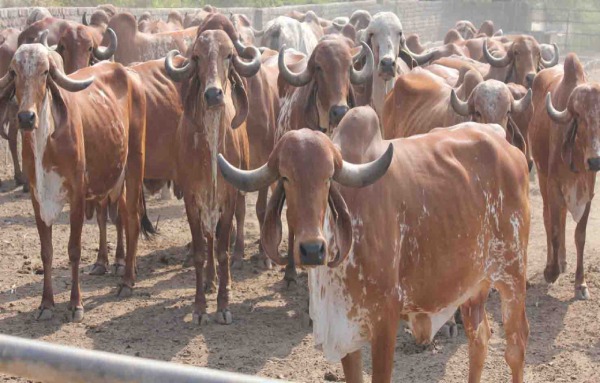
[567,147]
[311,110]
[514,135]
[342,225]
[270,235]
[59,108]
[240,99]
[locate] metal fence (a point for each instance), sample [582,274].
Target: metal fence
[51,363]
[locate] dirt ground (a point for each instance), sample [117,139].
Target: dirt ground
[269,336]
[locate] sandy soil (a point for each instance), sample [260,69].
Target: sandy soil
[269,336]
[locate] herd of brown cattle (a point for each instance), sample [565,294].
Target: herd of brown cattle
[405,170]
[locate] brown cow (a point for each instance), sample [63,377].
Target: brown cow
[215,105]
[135,46]
[99,20]
[8,46]
[37,14]
[566,151]
[55,27]
[518,61]
[148,25]
[320,94]
[421,101]
[96,151]
[370,257]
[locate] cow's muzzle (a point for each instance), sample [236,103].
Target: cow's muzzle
[26,120]
[594,164]
[387,68]
[312,253]
[214,96]
[336,113]
[529,79]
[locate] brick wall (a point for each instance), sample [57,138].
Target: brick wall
[430,19]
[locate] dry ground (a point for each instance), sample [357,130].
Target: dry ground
[268,337]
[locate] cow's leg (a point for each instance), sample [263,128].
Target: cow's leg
[558,216]
[383,345]
[119,266]
[210,284]
[261,210]
[290,270]
[478,332]
[222,250]
[581,289]
[352,364]
[240,218]
[101,265]
[516,327]
[543,182]
[76,220]
[13,134]
[45,232]
[198,257]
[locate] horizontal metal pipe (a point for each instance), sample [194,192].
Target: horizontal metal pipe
[52,363]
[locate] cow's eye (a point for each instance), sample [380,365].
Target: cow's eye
[12,73]
[400,33]
[285,179]
[229,56]
[45,73]
[90,49]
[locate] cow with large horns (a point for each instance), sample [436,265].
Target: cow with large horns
[77,48]
[385,37]
[215,107]
[476,206]
[83,140]
[565,132]
[286,31]
[519,61]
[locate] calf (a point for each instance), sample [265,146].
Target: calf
[370,256]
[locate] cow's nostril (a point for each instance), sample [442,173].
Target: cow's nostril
[312,253]
[529,78]
[594,164]
[387,62]
[336,113]
[213,96]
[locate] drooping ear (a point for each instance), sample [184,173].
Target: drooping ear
[240,99]
[342,225]
[514,136]
[567,147]
[59,108]
[270,236]
[311,111]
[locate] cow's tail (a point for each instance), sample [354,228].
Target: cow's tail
[146,225]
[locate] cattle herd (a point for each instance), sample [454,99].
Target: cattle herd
[404,169]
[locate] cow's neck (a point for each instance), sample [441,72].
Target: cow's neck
[380,90]
[48,185]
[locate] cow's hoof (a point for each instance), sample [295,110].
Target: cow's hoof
[551,274]
[210,287]
[449,330]
[98,269]
[118,269]
[236,263]
[200,319]
[582,293]
[266,263]
[224,317]
[43,314]
[76,314]
[124,291]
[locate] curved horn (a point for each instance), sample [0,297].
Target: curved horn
[44,39]
[422,58]
[247,180]
[498,33]
[244,51]
[258,32]
[68,83]
[519,106]
[176,74]
[105,53]
[498,62]
[556,116]
[554,61]
[248,69]
[460,107]
[357,176]
[359,77]
[84,19]
[295,79]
